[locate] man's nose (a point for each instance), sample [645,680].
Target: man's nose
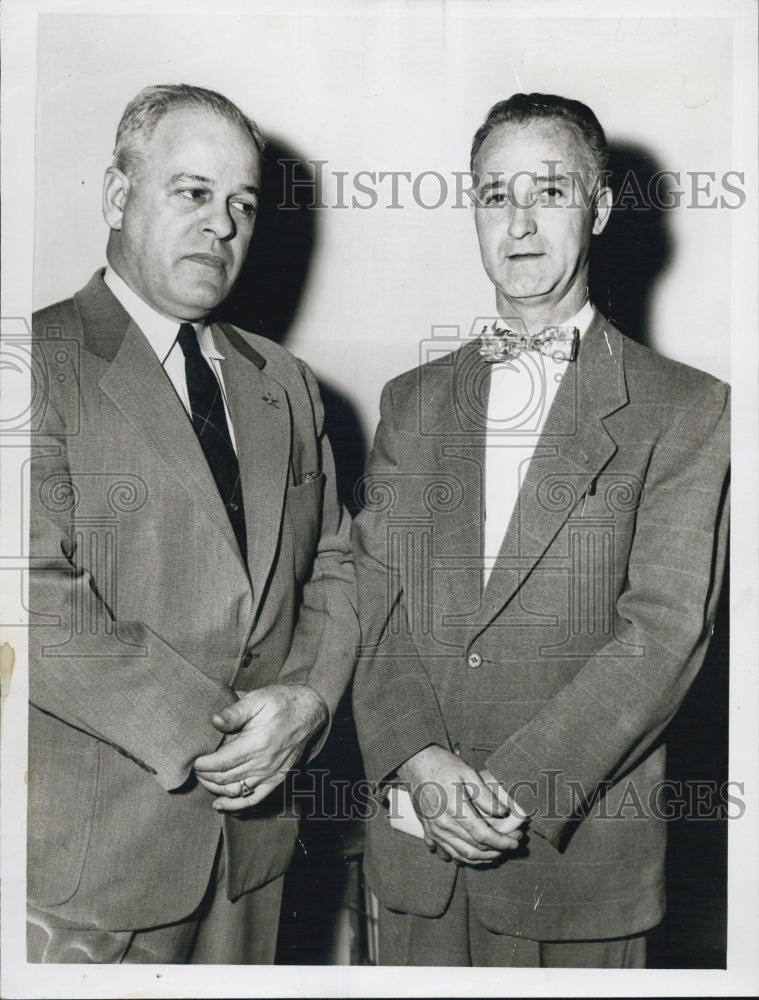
[216,220]
[521,222]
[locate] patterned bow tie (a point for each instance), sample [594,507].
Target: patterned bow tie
[557,342]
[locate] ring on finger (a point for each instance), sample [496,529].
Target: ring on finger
[245,789]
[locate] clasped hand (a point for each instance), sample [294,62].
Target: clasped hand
[266,734]
[465,814]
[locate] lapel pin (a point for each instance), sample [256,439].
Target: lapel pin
[268,398]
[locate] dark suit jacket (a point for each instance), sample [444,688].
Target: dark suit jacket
[562,674]
[144,619]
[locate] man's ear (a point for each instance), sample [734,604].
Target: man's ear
[602,209]
[115,194]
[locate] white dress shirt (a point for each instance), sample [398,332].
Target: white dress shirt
[521,393]
[161,333]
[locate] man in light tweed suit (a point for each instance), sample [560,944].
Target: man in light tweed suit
[539,557]
[192,621]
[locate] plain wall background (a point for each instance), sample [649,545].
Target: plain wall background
[362,289]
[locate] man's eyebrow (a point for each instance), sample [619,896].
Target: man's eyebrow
[192,177]
[535,177]
[491,186]
[198,179]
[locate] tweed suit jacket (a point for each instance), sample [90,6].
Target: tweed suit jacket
[145,620]
[561,674]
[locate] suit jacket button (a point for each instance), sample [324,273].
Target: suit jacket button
[247,659]
[475,660]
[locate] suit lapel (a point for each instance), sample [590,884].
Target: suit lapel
[573,449]
[137,384]
[260,414]
[461,422]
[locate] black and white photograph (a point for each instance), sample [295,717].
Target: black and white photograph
[378,442]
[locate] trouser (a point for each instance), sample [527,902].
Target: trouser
[219,932]
[458,938]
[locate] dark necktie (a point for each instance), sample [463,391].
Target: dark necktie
[210,423]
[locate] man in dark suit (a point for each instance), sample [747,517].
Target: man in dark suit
[538,559]
[192,621]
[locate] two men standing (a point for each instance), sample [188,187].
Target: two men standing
[538,559]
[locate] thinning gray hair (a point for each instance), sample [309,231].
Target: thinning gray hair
[143,113]
[522,109]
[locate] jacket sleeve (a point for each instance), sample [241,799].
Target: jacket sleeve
[325,640]
[395,707]
[116,680]
[602,722]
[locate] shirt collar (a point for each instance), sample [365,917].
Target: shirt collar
[581,319]
[160,331]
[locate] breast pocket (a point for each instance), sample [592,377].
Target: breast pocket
[303,513]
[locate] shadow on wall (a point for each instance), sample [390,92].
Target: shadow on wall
[627,260]
[271,283]
[693,933]
[634,250]
[268,293]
